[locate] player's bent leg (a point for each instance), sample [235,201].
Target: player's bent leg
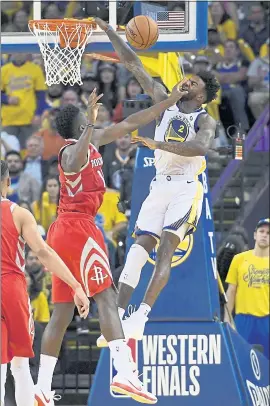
[3,382]
[126,381]
[24,385]
[136,259]
[50,347]
[168,244]
[130,276]
[169,241]
[110,323]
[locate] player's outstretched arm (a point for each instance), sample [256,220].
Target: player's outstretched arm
[197,147]
[140,119]
[133,63]
[26,222]
[74,157]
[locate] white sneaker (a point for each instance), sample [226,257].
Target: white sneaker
[134,388]
[133,327]
[42,399]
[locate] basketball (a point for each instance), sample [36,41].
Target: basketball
[142,32]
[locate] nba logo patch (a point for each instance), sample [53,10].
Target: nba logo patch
[133,345]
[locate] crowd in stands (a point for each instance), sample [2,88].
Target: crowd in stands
[238,52]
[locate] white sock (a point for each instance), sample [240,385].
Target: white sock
[46,370]
[24,385]
[121,312]
[144,309]
[122,357]
[135,261]
[3,381]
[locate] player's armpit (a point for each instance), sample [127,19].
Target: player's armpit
[75,156]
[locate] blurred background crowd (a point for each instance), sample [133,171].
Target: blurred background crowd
[238,53]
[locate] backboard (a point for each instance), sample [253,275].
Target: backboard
[182,24]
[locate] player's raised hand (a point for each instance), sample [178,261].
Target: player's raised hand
[82,303]
[102,24]
[93,106]
[147,142]
[180,89]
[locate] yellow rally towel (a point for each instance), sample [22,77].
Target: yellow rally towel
[163,65]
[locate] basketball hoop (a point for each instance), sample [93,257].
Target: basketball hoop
[62,44]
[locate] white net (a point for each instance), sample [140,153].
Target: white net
[62,47]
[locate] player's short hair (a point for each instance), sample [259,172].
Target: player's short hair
[211,85]
[65,121]
[4,170]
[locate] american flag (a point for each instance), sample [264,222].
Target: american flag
[171,19]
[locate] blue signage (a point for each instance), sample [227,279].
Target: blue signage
[186,357]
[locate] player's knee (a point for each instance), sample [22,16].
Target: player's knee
[167,246]
[166,249]
[146,241]
[19,363]
[136,259]
[62,315]
[106,298]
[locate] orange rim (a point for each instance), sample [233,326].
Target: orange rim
[54,24]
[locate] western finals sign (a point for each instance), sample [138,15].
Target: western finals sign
[171,364]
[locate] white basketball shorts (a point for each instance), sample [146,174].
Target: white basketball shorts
[171,203]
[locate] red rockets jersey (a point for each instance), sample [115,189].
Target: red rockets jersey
[83,191]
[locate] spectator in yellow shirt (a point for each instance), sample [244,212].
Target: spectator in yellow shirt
[222,21]
[39,302]
[264,50]
[23,96]
[45,209]
[113,221]
[248,291]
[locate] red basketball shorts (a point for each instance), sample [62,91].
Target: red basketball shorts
[80,244]
[17,325]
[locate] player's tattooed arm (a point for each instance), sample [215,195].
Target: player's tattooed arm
[133,63]
[140,119]
[199,146]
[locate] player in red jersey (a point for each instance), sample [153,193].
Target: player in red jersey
[17,326]
[77,240]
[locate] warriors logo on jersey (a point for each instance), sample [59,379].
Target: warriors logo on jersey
[178,129]
[176,126]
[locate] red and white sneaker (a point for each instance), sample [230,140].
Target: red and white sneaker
[133,388]
[133,327]
[42,399]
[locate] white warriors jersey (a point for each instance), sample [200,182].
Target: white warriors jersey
[176,126]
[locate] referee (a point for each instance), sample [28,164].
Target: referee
[248,291]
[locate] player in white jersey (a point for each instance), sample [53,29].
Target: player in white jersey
[173,207]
